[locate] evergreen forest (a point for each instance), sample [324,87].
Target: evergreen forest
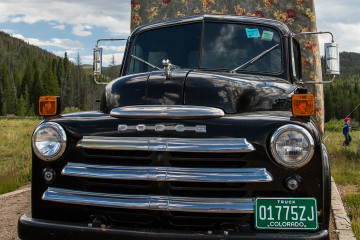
[342,96]
[28,72]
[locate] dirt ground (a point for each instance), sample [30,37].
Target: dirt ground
[13,206]
[332,230]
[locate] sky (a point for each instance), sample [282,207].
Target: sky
[60,26]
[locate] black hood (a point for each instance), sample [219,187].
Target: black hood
[234,93]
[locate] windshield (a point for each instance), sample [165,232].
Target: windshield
[229,46]
[179,44]
[225,46]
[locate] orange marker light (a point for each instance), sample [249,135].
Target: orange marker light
[49,105]
[303,104]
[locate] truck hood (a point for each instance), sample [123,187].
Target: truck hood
[234,93]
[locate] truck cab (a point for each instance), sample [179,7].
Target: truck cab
[207,134]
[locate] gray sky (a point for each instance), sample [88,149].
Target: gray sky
[342,18]
[74,26]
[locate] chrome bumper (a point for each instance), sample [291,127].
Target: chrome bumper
[34,229]
[147,202]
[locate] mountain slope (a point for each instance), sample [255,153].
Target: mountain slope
[27,72]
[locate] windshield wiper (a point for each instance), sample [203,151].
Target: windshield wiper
[253,60]
[147,63]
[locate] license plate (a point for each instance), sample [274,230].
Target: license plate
[286,213]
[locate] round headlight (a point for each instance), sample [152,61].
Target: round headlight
[292,146]
[49,141]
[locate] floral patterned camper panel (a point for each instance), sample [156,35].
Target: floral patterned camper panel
[299,15]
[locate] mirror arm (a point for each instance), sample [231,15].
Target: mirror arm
[318,82]
[307,33]
[99,83]
[110,39]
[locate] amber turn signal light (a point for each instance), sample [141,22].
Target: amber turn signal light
[303,104]
[49,105]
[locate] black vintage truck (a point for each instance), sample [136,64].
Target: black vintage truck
[206,134]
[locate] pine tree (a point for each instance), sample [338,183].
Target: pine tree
[50,87]
[113,71]
[67,87]
[21,107]
[37,90]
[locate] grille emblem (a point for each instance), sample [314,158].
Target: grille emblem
[159,127]
[180,128]
[141,127]
[122,127]
[162,128]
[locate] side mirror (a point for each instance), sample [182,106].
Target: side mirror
[332,58]
[97,64]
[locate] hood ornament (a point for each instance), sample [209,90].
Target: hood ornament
[168,67]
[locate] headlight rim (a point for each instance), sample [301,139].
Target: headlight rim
[299,129]
[63,137]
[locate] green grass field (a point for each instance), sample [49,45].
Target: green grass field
[345,169]
[15,153]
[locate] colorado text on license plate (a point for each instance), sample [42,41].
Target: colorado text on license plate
[286,213]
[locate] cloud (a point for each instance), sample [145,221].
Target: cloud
[80,30]
[17,19]
[68,51]
[8,31]
[59,27]
[54,42]
[346,36]
[113,15]
[106,58]
[342,19]
[114,48]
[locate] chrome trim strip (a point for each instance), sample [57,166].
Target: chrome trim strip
[149,202]
[167,174]
[167,112]
[225,145]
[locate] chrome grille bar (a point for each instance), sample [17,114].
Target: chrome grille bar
[148,202]
[167,112]
[225,145]
[149,173]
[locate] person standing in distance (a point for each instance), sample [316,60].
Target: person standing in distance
[346,130]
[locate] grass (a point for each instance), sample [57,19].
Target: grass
[345,161]
[345,169]
[352,203]
[15,153]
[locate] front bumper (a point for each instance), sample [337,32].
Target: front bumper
[30,228]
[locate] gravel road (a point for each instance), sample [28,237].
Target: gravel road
[12,207]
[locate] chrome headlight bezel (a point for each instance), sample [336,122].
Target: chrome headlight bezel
[60,148]
[297,129]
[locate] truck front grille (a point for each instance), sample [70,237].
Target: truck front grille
[175,182]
